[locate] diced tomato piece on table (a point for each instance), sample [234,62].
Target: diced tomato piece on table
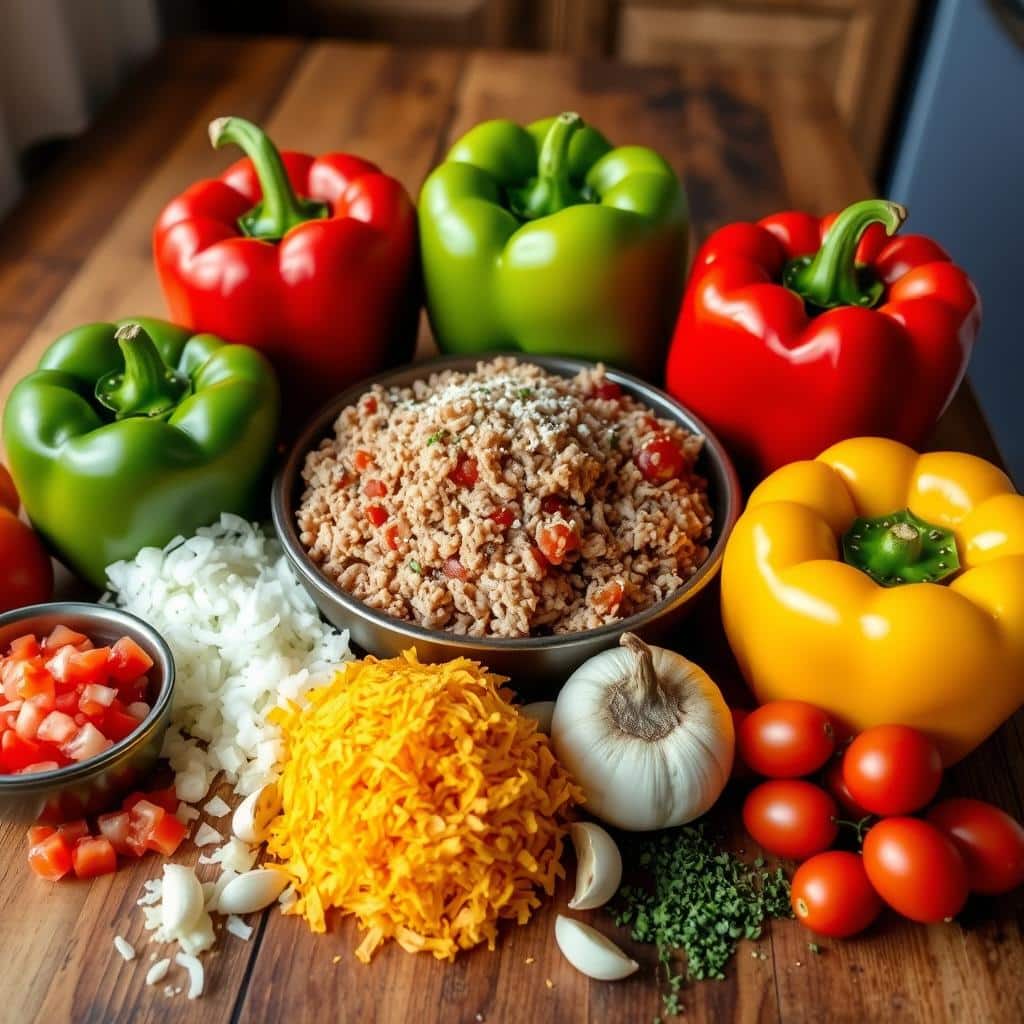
[94,856]
[63,636]
[50,858]
[37,833]
[143,819]
[166,836]
[25,647]
[72,831]
[166,798]
[127,661]
[114,827]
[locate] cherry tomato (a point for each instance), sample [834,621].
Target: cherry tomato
[465,473]
[831,895]
[660,460]
[836,785]
[557,541]
[791,818]
[892,769]
[786,739]
[916,869]
[26,575]
[740,768]
[989,840]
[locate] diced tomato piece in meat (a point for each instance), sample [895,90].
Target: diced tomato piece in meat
[127,661]
[94,856]
[377,514]
[392,536]
[50,858]
[660,460]
[504,517]
[607,389]
[369,405]
[609,597]
[114,827]
[454,569]
[362,460]
[375,489]
[466,472]
[25,647]
[557,541]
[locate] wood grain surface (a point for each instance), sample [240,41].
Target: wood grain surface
[78,249]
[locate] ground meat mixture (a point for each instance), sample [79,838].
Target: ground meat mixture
[506,502]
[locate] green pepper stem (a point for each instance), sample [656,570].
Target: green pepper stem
[551,190]
[147,386]
[901,548]
[830,277]
[280,209]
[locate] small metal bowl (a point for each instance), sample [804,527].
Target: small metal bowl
[535,665]
[90,786]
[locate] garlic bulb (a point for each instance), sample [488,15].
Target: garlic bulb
[647,735]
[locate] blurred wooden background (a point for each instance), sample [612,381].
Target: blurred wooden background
[860,49]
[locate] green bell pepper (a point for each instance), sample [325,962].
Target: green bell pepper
[129,434]
[547,240]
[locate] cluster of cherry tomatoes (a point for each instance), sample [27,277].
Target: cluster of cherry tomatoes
[923,868]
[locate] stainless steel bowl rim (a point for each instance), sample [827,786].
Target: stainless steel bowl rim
[319,426]
[110,616]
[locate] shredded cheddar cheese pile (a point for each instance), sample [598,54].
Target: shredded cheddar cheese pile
[418,799]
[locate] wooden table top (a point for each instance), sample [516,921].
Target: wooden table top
[78,249]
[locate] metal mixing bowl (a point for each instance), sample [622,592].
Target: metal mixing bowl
[535,665]
[91,786]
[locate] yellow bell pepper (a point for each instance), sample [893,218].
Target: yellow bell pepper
[883,586]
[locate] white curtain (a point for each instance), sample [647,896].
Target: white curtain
[59,61]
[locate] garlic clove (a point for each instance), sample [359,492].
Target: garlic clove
[252,891]
[252,818]
[599,866]
[541,712]
[181,899]
[590,952]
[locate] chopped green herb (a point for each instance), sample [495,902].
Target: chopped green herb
[415,566]
[524,393]
[440,435]
[702,901]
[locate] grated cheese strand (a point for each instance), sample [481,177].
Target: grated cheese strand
[417,799]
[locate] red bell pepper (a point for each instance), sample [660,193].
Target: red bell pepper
[311,260]
[797,332]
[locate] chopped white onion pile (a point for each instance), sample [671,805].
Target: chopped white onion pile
[206,835]
[245,636]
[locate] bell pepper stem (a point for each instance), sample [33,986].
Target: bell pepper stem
[280,209]
[147,386]
[830,277]
[901,548]
[552,189]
